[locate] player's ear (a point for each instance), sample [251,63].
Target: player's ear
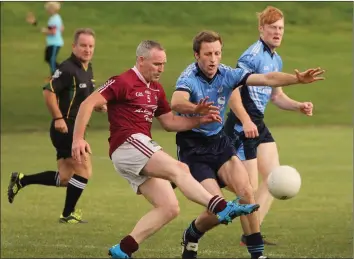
[140,59]
[196,55]
[260,29]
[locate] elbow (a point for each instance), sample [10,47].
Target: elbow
[274,98]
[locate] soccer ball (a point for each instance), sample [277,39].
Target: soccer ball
[284,182]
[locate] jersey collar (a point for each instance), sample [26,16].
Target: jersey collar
[202,75]
[140,76]
[77,62]
[266,48]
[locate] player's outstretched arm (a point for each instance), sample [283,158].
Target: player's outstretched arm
[79,145]
[276,79]
[171,122]
[181,104]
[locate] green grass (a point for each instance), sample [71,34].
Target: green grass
[316,223]
[315,36]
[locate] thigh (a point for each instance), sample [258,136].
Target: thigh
[234,174]
[62,141]
[158,192]
[133,156]
[268,158]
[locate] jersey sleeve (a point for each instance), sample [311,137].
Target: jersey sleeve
[236,77]
[114,89]
[162,105]
[61,79]
[183,84]
[247,62]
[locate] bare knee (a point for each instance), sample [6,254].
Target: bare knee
[170,210]
[84,170]
[181,170]
[184,168]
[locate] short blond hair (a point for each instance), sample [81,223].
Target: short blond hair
[54,5]
[269,15]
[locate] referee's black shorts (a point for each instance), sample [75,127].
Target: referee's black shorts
[62,141]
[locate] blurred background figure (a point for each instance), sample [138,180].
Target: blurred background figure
[53,32]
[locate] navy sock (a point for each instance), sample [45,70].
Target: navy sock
[255,245]
[192,234]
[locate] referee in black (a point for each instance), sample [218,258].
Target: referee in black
[70,85]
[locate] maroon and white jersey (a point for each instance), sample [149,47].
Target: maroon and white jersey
[132,103]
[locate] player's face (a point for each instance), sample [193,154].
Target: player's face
[84,47]
[209,57]
[153,66]
[272,34]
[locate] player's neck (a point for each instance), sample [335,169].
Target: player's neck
[140,75]
[272,49]
[85,64]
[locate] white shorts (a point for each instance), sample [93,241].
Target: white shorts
[131,157]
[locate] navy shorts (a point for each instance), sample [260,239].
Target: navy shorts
[205,156]
[246,148]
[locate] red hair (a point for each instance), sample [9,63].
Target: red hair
[269,15]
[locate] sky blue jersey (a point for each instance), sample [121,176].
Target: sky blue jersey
[258,59]
[55,21]
[218,89]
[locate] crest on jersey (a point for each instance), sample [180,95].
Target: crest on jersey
[56,74]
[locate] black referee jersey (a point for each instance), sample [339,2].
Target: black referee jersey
[72,83]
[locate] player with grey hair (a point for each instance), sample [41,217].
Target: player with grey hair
[133,99]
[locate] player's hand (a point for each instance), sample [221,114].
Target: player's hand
[60,125]
[102,108]
[210,118]
[306,108]
[250,129]
[31,18]
[80,150]
[204,107]
[310,75]
[44,30]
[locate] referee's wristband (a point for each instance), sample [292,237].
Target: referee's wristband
[58,119]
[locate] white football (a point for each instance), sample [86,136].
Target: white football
[284,182]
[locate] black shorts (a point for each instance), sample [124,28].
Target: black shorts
[62,141]
[246,148]
[207,156]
